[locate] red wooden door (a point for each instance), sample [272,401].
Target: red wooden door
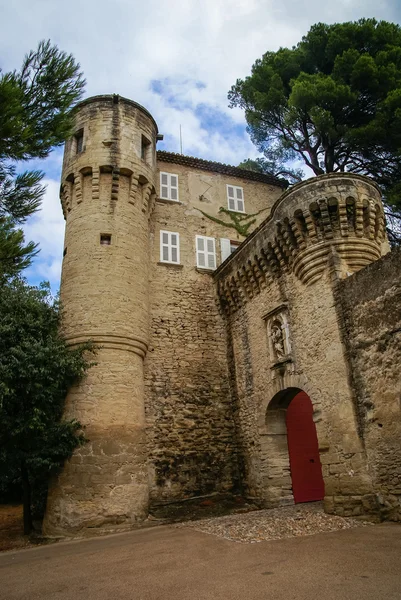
[306,470]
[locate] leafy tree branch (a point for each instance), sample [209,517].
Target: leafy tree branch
[333,101]
[35,116]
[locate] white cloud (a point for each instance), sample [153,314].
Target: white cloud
[123,45]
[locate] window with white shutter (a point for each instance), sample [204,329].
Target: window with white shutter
[205,252]
[235,198]
[227,247]
[169,247]
[169,186]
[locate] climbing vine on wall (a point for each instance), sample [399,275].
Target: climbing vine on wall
[239,222]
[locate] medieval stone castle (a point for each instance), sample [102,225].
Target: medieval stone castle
[248,334]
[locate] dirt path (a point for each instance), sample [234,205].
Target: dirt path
[11,528]
[170,563]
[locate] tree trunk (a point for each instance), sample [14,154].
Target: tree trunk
[329,159]
[314,162]
[26,498]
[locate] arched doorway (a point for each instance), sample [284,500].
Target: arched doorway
[303,450]
[290,453]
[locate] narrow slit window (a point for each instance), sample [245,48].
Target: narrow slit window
[235,198]
[205,252]
[79,141]
[105,239]
[146,150]
[170,247]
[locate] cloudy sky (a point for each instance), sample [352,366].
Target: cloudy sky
[176,57]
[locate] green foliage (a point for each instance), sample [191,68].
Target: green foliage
[35,116]
[35,103]
[274,162]
[36,371]
[334,100]
[240,222]
[15,255]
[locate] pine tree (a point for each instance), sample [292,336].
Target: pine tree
[35,116]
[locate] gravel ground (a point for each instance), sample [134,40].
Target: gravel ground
[274,524]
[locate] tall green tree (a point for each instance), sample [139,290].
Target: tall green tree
[35,116]
[36,371]
[333,100]
[274,162]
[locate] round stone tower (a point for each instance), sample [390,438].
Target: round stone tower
[107,195]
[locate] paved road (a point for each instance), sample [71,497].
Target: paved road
[182,564]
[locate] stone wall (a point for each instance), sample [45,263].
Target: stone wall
[189,408]
[370,312]
[285,272]
[317,366]
[190,389]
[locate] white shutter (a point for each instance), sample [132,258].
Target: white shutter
[231,197]
[175,250]
[205,252]
[235,198]
[163,185]
[200,252]
[174,187]
[211,253]
[240,202]
[169,247]
[164,246]
[169,186]
[225,248]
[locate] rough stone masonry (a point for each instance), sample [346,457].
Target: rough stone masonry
[215,295]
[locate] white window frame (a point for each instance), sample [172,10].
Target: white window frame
[169,187]
[205,252]
[169,245]
[235,198]
[227,247]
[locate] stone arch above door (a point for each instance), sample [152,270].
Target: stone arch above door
[277,481]
[279,388]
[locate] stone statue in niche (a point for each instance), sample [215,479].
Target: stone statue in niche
[278,337]
[278,342]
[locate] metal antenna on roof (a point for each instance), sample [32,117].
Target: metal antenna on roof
[180,140]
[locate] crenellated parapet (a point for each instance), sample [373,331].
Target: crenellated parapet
[340,213]
[114,137]
[71,189]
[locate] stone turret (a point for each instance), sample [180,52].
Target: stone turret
[334,219]
[107,195]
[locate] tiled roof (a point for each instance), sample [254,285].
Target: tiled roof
[209,165]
